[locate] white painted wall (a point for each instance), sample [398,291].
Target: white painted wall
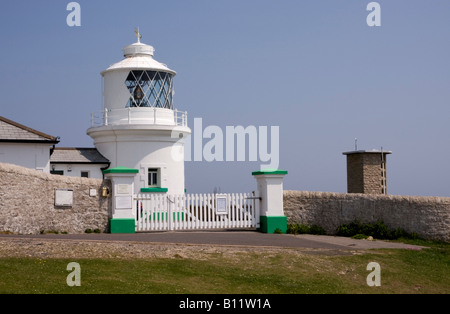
[74,170]
[142,147]
[29,155]
[270,187]
[122,202]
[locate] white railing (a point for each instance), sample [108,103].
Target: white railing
[160,211]
[140,115]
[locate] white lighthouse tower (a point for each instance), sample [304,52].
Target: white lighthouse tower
[139,127]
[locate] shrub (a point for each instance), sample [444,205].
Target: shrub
[304,229]
[49,232]
[297,229]
[349,230]
[359,236]
[317,230]
[377,230]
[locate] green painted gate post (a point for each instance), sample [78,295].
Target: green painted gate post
[122,179]
[270,187]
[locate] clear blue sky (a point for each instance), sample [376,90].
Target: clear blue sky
[313,68]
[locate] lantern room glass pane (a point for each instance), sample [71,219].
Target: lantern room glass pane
[149,89]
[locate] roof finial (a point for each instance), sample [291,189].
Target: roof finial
[138,35]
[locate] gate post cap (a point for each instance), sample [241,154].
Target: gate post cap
[269,171]
[120,170]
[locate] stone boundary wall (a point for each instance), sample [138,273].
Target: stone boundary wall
[427,216]
[27,206]
[27,202]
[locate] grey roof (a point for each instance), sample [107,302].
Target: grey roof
[11,131]
[373,151]
[68,155]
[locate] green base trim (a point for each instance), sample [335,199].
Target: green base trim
[154,190]
[120,170]
[122,225]
[269,171]
[269,224]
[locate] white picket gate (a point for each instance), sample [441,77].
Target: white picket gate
[160,211]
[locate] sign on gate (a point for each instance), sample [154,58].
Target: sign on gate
[221,204]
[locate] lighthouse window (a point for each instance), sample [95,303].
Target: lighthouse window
[149,89]
[152,177]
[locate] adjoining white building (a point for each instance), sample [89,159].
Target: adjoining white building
[78,162]
[139,127]
[24,146]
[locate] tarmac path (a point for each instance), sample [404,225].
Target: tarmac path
[229,238]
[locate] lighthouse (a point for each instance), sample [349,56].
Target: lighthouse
[139,127]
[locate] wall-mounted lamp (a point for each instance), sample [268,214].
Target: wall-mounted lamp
[105,191]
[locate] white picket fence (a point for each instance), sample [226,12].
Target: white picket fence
[160,211]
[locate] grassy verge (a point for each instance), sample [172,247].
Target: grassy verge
[402,271]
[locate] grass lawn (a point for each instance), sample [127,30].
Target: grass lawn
[402,271]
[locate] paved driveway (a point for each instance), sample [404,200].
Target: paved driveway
[232,238]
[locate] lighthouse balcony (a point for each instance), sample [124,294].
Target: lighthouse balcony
[139,115]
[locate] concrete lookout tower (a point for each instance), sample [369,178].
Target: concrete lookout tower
[139,127]
[366,171]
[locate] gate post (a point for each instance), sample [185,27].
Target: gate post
[123,219]
[270,187]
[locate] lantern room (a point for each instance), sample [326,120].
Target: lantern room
[138,88]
